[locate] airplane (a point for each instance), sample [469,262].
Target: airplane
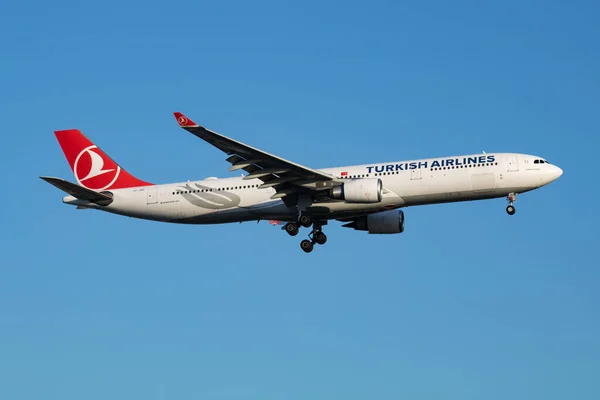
[367,197]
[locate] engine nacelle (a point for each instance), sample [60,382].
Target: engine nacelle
[359,191]
[391,221]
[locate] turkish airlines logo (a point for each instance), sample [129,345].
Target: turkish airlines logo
[93,171]
[182,120]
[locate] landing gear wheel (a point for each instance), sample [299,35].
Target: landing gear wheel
[305,221]
[320,238]
[291,228]
[512,197]
[306,245]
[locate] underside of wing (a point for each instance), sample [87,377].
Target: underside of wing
[288,179]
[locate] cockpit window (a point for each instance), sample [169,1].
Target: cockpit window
[540,162]
[536,161]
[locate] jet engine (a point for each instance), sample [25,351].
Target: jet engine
[359,191]
[391,221]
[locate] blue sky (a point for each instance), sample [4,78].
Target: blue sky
[467,303]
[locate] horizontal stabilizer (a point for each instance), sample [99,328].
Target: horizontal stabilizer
[80,192]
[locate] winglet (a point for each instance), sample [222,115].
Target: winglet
[184,121]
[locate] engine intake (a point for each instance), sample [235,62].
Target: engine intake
[383,222]
[359,191]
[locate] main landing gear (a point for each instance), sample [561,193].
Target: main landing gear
[316,236]
[510,209]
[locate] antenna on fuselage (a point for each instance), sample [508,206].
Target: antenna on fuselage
[484,152]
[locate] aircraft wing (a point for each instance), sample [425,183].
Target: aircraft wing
[286,177]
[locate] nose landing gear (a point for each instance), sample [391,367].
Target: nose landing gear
[510,209]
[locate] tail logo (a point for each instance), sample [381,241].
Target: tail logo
[89,169]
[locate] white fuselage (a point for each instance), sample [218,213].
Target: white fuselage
[406,183]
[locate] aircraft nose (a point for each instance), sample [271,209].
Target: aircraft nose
[556,172]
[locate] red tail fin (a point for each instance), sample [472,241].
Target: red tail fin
[93,169]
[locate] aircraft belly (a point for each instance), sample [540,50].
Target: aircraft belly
[273,209]
[331,209]
[276,210]
[220,217]
[437,198]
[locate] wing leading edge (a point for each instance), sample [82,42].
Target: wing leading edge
[286,177]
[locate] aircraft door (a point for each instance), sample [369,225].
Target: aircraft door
[512,163]
[151,195]
[415,174]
